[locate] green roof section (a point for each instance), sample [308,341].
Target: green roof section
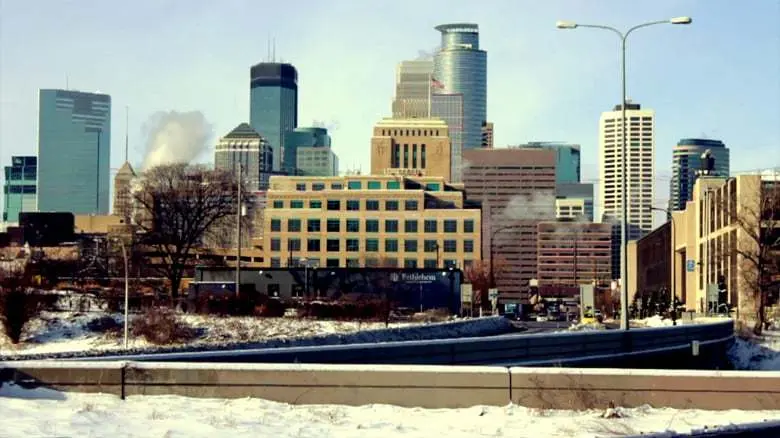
[243,131]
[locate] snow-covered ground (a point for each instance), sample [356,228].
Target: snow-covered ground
[34,413]
[760,353]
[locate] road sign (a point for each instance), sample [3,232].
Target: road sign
[466,293]
[690,265]
[492,294]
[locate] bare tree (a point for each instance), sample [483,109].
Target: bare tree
[758,220]
[480,277]
[178,205]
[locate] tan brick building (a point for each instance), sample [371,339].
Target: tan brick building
[574,253]
[378,220]
[411,147]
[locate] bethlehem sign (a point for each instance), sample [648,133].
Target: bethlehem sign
[413,278]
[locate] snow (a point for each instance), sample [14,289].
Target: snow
[760,353]
[50,413]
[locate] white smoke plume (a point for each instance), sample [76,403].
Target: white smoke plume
[331,126]
[174,137]
[427,55]
[538,206]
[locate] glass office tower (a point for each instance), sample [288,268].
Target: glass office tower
[74,152]
[460,67]
[311,137]
[273,104]
[567,159]
[686,161]
[19,189]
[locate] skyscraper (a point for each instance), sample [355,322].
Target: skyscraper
[640,176]
[74,152]
[449,107]
[305,137]
[686,159]
[413,89]
[273,104]
[461,67]
[123,192]
[244,146]
[19,188]
[487,134]
[567,159]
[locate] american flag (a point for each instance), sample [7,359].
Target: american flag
[436,84]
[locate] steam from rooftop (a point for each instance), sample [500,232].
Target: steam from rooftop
[175,137]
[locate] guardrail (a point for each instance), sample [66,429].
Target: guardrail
[700,346]
[410,386]
[769,429]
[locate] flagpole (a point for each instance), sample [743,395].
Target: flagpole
[430,94]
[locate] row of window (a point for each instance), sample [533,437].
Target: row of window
[410,132]
[372,245]
[349,205]
[334,225]
[359,185]
[387,262]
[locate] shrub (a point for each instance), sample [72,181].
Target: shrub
[17,307]
[271,308]
[161,326]
[104,324]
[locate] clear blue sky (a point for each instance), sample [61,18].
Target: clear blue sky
[719,77]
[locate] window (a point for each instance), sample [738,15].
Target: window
[353,225]
[410,205]
[430,226]
[294,225]
[374,185]
[276,262]
[317,187]
[293,244]
[353,263]
[391,205]
[422,156]
[410,225]
[333,225]
[278,204]
[334,205]
[433,187]
[410,245]
[313,225]
[333,245]
[313,245]
[315,204]
[372,205]
[353,205]
[410,263]
[450,246]
[301,187]
[296,204]
[393,185]
[450,263]
[391,263]
[430,264]
[276,245]
[372,245]
[337,186]
[450,226]
[276,225]
[468,246]
[391,226]
[372,225]
[354,185]
[468,226]
[353,245]
[372,262]
[431,246]
[391,245]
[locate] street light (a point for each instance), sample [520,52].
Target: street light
[674,264]
[127,288]
[623,162]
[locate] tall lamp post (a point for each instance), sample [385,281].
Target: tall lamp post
[624,149]
[674,262]
[127,288]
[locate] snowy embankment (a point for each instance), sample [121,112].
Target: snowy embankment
[45,412]
[65,334]
[760,353]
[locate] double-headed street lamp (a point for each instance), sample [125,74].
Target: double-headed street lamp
[624,149]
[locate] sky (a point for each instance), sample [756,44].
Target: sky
[716,78]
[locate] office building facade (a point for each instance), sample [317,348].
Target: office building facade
[411,147]
[273,104]
[639,186]
[244,146]
[567,160]
[460,67]
[487,134]
[74,152]
[574,200]
[19,188]
[574,253]
[317,161]
[369,221]
[413,89]
[686,162]
[303,137]
[516,188]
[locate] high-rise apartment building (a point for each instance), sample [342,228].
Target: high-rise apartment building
[19,189]
[686,162]
[244,146]
[273,104]
[460,67]
[640,175]
[369,221]
[74,152]
[573,253]
[302,137]
[517,190]
[487,134]
[411,147]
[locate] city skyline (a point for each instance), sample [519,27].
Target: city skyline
[548,101]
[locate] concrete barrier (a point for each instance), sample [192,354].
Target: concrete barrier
[410,386]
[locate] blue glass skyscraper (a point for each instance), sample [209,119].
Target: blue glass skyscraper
[686,161]
[19,190]
[460,67]
[301,138]
[273,104]
[74,152]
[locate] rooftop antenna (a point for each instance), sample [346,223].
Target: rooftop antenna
[273,54]
[268,49]
[127,131]
[67,85]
